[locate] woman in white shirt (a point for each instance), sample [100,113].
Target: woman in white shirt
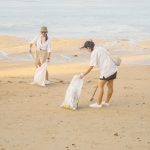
[43,50]
[100,58]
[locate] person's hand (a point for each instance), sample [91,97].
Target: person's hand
[81,76]
[47,60]
[29,49]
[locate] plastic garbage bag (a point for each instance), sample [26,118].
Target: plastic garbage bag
[73,93]
[39,77]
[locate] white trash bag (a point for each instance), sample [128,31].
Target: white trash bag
[39,77]
[73,93]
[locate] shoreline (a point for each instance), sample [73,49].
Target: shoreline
[67,50]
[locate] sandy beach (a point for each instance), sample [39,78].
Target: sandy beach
[31,117]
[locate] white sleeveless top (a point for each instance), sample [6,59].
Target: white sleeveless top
[46,45]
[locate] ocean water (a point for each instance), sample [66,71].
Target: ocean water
[127,19]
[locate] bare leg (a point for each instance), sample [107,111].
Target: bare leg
[46,75]
[110,90]
[101,84]
[36,64]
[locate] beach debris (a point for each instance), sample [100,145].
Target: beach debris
[73,144]
[116,134]
[143,103]
[75,55]
[10,81]
[88,81]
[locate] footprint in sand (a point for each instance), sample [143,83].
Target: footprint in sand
[21,88]
[22,82]
[59,81]
[128,87]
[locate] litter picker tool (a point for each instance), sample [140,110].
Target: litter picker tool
[93,93]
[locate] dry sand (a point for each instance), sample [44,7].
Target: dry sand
[31,117]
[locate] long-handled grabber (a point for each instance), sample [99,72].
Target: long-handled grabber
[93,93]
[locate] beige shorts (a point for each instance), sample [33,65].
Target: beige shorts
[40,56]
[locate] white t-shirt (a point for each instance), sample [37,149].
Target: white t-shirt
[103,61]
[46,45]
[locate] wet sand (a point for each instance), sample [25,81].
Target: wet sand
[67,50]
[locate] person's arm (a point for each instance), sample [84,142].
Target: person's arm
[31,43]
[49,46]
[48,57]
[49,51]
[30,47]
[49,54]
[86,72]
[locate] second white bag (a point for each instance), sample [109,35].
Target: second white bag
[39,77]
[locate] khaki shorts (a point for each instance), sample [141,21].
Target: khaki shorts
[40,56]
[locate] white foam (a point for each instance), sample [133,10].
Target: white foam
[4,55]
[13,57]
[16,57]
[65,57]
